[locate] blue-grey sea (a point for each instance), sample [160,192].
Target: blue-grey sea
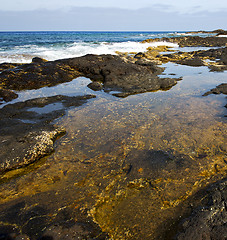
[23,46]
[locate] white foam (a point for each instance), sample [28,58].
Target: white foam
[183,34]
[77,49]
[222,35]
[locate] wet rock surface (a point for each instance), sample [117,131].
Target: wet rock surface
[209,219]
[222,88]
[193,41]
[8,66]
[215,59]
[108,72]
[36,75]
[114,72]
[26,134]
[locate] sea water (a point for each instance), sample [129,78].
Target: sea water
[21,47]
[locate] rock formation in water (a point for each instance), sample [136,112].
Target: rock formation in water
[113,72]
[193,41]
[27,135]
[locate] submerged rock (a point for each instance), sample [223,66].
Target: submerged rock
[39,221]
[26,134]
[222,88]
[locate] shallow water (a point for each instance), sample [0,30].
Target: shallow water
[131,162]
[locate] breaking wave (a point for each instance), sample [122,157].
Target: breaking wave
[24,54]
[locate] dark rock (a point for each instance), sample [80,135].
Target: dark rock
[38,60]
[36,75]
[209,220]
[119,74]
[220,32]
[195,62]
[140,55]
[217,68]
[152,66]
[212,53]
[217,57]
[220,55]
[6,66]
[193,41]
[7,95]
[114,72]
[222,88]
[96,86]
[28,148]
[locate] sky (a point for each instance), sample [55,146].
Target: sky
[112,15]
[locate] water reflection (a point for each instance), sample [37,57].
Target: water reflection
[48,108]
[76,87]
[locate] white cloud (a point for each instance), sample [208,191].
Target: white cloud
[108,19]
[173,5]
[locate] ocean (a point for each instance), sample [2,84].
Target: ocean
[21,47]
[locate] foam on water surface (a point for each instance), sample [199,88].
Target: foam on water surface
[26,53]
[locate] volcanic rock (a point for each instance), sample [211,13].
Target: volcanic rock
[208,221]
[114,72]
[193,41]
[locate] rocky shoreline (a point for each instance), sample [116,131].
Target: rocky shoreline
[27,136]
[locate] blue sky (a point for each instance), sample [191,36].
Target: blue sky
[143,15]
